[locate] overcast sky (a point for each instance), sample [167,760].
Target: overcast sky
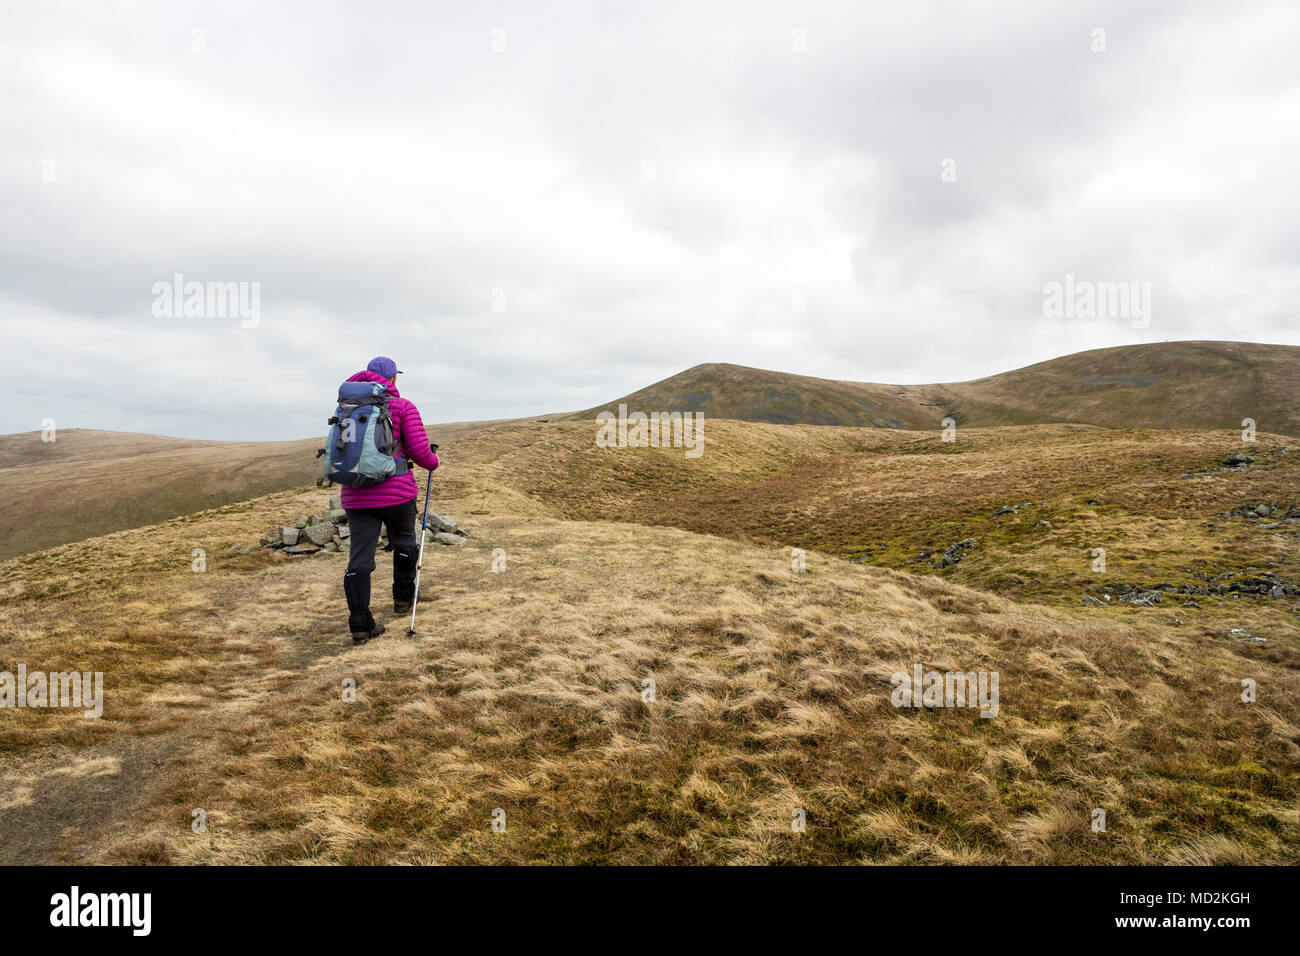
[540,206]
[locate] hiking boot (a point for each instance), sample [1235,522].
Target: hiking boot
[361,637]
[401,607]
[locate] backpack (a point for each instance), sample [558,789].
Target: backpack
[360,449]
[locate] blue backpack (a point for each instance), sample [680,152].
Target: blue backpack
[360,450]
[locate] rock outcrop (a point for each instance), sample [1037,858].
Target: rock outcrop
[1229,585]
[956,552]
[1240,461]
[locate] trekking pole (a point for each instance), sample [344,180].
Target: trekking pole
[424,523]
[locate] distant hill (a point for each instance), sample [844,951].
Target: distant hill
[90,482]
[1165,385]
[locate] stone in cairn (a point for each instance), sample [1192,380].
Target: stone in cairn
[319,533]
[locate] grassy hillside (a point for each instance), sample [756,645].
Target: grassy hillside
[1121,687]
[886,498]
[1165,385]
[523,690]
[90,482]
[720,390]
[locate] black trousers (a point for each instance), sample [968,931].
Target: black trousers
[364,525]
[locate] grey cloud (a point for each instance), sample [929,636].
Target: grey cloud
[387,170]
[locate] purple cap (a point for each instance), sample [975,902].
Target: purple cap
[383,365]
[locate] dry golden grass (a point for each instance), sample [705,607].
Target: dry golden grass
[523,690]
[885,497]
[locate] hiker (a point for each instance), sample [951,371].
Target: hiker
[389,501]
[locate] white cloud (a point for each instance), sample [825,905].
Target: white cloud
[646,188]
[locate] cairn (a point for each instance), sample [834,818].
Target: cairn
[314,534]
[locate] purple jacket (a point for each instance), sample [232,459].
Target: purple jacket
[412,444]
